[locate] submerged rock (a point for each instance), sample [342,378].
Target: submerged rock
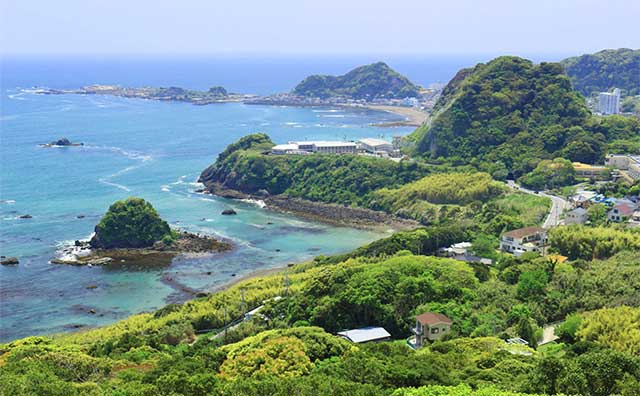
[228,212]
[9,261]
[25,216]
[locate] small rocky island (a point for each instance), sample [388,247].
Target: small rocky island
[62,142]
[132,231]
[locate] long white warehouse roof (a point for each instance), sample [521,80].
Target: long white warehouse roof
[374,142]
[365,334]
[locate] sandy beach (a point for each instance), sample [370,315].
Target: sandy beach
[414,116]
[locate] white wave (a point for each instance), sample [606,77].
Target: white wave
[165,188]
[67,250]
[291,123]
[17,96]
[258,202]
[327,111]
[116,185]
[332,116]
[8,201]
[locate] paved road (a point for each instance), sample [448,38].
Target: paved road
[558,205]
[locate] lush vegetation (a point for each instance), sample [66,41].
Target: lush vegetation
[407,189]
[345,179]
[511,114]
[592,242]
[439,196]
[550,174]
[369,82]
[605,70]
[506,116]
[131,223]
[289,348]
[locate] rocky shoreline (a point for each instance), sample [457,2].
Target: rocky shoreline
[160,253]
[318,211]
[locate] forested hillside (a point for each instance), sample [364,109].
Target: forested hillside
[605,70]
[509,114]
[289,348]
[345,179]
[370,82]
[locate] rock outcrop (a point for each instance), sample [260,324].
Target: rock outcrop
[9,261]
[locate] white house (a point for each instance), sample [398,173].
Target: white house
[576,216]
[528,239]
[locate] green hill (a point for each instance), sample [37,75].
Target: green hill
[373,81]
[345,179]
[605,70]
[510,114]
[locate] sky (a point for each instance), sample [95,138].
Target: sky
[286,27]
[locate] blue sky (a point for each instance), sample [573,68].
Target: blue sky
[285,27]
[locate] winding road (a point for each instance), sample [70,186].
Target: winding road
[558,205]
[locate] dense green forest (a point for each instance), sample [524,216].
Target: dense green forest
[131,223]
[289,348]
[373,81]
[507,115]
[605,70]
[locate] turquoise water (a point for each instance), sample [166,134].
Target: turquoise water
[154,150]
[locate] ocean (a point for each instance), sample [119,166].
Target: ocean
[154,150]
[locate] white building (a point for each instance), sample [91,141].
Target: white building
[576,216]
[628,164]
[366,334]
[327,146]
[320,146]
[528,239]
[287,149]
[609,102]
[372,145]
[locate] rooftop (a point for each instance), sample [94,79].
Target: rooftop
[373,142]
[579,211]
[523,232]
[285,147]
[432,318]
[365,334]
[325,143]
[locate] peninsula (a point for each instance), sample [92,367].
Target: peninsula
[375,87]
[215,94]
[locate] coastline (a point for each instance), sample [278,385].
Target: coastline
[413,116]
[328,213]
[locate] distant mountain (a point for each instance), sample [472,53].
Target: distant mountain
[509,114]
[373,81]
[604,70]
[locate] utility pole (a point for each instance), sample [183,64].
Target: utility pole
[243,307]
[226,327]
[286,283]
